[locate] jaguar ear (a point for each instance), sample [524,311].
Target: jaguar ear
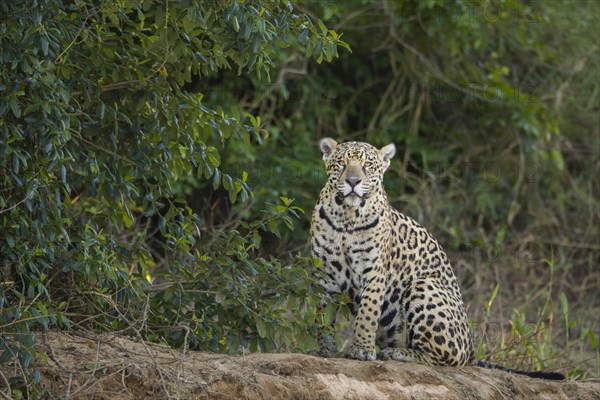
[387,152]
[327,146]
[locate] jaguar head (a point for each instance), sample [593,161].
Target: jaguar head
[355,169]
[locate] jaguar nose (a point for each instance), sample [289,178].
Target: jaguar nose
[353,181]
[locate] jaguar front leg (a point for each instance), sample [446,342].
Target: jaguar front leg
[367,319]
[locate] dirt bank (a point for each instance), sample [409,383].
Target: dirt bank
[109,367]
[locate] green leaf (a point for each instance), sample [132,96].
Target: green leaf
[329,313]
[318,51]
[44,44]
[10,240]
[64,320]
[330,51]
[256,239]
[261,328]
[216,179]
[261,25]
[302,36]
[252,118]
[322,27]
[169,293]
[233,192]
[558,159]
[63,174]
[593,340]
[128,219]
[14,107]
[6,355]
[492,297]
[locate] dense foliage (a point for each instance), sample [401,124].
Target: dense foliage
[150,153]
[100,122]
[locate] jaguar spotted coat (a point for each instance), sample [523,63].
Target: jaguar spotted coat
[406,297]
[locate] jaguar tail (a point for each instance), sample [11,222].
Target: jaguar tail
[553,376]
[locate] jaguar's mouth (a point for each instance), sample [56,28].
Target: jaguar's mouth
[350,194]
[351,198]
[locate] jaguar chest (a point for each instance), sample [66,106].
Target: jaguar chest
[348,256]
[354,257]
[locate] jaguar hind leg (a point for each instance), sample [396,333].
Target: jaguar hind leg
[436,324]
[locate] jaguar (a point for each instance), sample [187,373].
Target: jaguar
[405,298]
